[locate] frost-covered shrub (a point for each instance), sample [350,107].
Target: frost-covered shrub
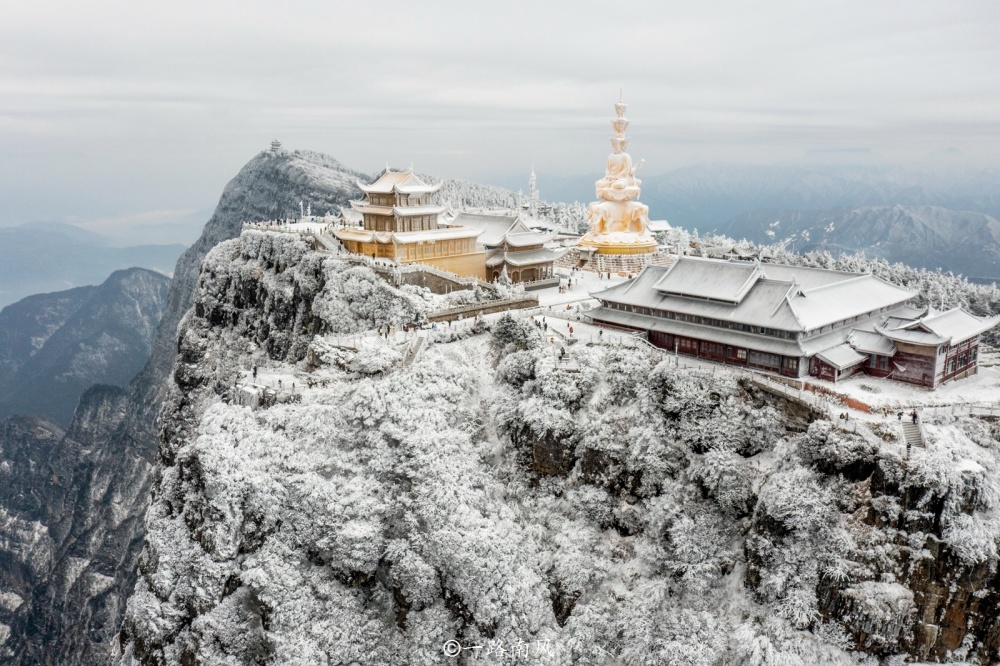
[510,335]
[831,451]
[728,478]
[355,298]
[626,371]
[972,538]
[795,499]
[375,357]
[517,367]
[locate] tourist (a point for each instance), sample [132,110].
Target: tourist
[255,372]
[914,415]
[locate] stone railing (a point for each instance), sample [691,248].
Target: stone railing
[483,307]
[960,409]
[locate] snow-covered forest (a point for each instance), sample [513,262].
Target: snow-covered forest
[625,512]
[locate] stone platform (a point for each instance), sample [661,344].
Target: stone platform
[615,263]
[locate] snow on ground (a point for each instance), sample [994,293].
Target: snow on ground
[982,388]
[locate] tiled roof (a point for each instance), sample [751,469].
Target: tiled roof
[500,227]
[525,258]
[869,342]
[841,356]
[917,337]
[750,294]
[720,281]
[493,226]
[836,302]
[957,325]
[403,182]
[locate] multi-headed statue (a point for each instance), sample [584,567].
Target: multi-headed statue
[618,222]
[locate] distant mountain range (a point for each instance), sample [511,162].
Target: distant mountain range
[51,257]
[53,346]
[923,236]
[707,196]
[926,218]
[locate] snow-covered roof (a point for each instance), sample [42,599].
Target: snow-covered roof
[500,227]
[401,211]
[843,300]
[399,182]
[525,257]
[841,356]
[493,225]
[720,281]
[442,233]
[659,225]
[957,325]
[528,238]
[351,215]
[870,342]
[916,337]
[762,295]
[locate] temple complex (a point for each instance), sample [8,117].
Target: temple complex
[512,246]
[619,223]
[400,223]
[794,321]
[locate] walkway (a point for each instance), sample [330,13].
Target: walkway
[913,434]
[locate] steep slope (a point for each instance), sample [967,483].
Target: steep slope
[33,476]
[106,340]
[25,326]
[66,620]
[931,237]
[489,498]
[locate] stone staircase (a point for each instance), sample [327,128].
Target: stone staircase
[912,434]
[413,351]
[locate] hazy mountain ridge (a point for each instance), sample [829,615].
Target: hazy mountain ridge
[930,237]
[34,261]
[26,325]
[106,339]
[707,196]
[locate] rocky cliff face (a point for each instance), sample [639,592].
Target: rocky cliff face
[67,618]
[61,344]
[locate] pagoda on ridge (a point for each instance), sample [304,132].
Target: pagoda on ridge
[400,223]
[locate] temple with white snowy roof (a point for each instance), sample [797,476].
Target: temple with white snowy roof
[794,321]
[400,223]
[512,246]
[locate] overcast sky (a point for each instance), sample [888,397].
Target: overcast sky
[146,110]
